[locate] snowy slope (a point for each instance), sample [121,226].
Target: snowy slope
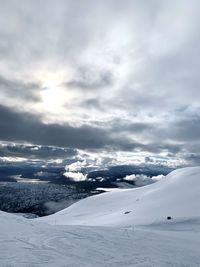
[26,243]
[160,243]
[177,195]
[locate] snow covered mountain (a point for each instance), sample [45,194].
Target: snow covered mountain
[177,196]
[154,226]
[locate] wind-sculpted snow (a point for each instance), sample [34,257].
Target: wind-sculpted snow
[160,243]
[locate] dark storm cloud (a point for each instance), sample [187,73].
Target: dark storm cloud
[36,152]
[24,126]
[18,126]
[20,89]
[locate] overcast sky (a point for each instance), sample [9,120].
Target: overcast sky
[113,77]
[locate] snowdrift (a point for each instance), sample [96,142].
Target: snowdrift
[177,196]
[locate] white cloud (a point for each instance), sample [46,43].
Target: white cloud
[141,179]
[76,176]
[76,166]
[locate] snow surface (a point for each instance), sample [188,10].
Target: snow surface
[176,195]
[121,228]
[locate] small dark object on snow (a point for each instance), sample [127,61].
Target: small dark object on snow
[169,217]
[127,212]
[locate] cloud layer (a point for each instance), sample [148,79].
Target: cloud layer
[103,76]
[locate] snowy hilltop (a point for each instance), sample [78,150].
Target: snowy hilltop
[156,225]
